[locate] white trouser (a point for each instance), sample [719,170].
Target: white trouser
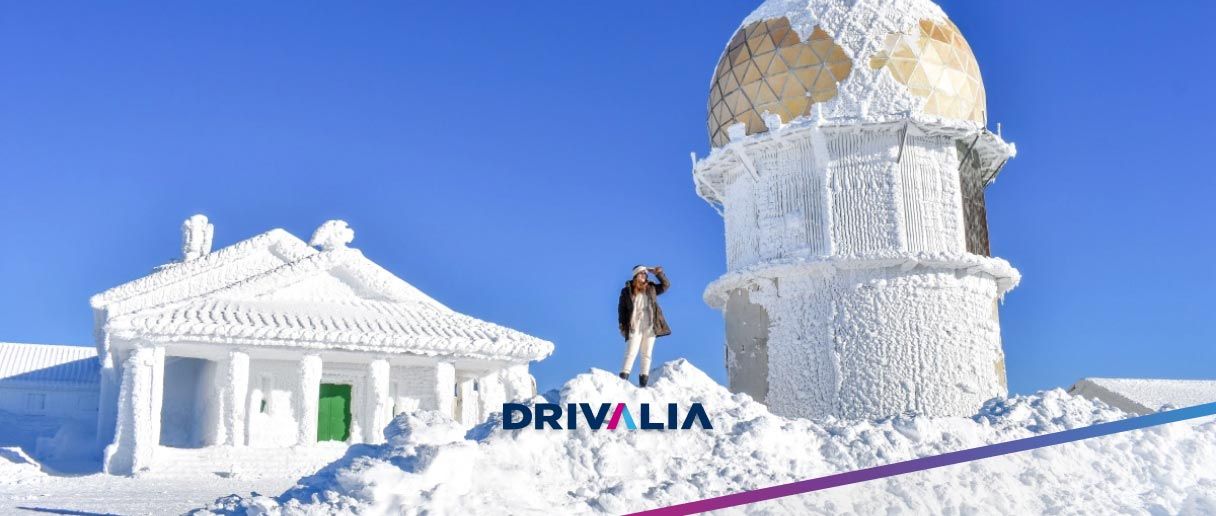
[636,340]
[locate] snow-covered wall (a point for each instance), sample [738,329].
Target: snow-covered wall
[416,387]
[272,406]
[78,404]
[185,414]
[876,192]
[879,342]
[850,289]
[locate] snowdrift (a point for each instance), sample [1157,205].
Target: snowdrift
[54,444]
[431,465]
[16,467]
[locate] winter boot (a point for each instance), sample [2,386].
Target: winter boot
[642,380]
[625,376]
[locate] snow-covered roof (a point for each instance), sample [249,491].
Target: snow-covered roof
[356,325]
[185,279]
[47,365]
[275,290]
[1143,395]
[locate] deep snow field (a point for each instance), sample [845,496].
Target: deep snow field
[105,494]
[430,465]
[179,485]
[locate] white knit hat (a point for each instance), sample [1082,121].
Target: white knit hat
[640,268]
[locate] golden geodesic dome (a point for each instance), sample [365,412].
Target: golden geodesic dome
[792,54]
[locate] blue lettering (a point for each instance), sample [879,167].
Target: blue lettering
[594,421]
[511,408]
[698,412]
[646,424]
[548,413]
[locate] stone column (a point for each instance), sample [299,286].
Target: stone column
[445,387]
[518,384]
[468,400]
[378,406]
[490,395]
[107,396]
[307,395]
[158,393]
[236,390]
[134,441]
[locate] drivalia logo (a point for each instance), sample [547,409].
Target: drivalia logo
[552,415]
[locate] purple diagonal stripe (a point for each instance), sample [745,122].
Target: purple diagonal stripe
[936,461]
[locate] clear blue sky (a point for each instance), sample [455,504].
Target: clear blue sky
[515,159]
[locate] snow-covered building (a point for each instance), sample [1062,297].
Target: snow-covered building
[48,380]
[850,153]
[268,343]
[48,396]
[1145,395]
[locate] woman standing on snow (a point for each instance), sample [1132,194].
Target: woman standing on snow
[640,318]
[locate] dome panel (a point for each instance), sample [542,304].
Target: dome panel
[767,67]
[936,63]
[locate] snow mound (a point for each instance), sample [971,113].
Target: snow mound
[430,465]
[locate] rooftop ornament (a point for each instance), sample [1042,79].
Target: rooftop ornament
[333,234]
[196,237]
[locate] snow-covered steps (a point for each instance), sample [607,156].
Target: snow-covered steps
[243,462]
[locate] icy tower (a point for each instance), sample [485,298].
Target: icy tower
[850,156]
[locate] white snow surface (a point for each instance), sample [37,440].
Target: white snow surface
[184,479]
[25,490]
[431,465]
[16,467]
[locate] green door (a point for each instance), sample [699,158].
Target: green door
[333,412]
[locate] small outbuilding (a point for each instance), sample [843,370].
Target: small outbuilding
[48,401]
[274,343]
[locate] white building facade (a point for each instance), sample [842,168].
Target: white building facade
[849,160]
[275,343]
